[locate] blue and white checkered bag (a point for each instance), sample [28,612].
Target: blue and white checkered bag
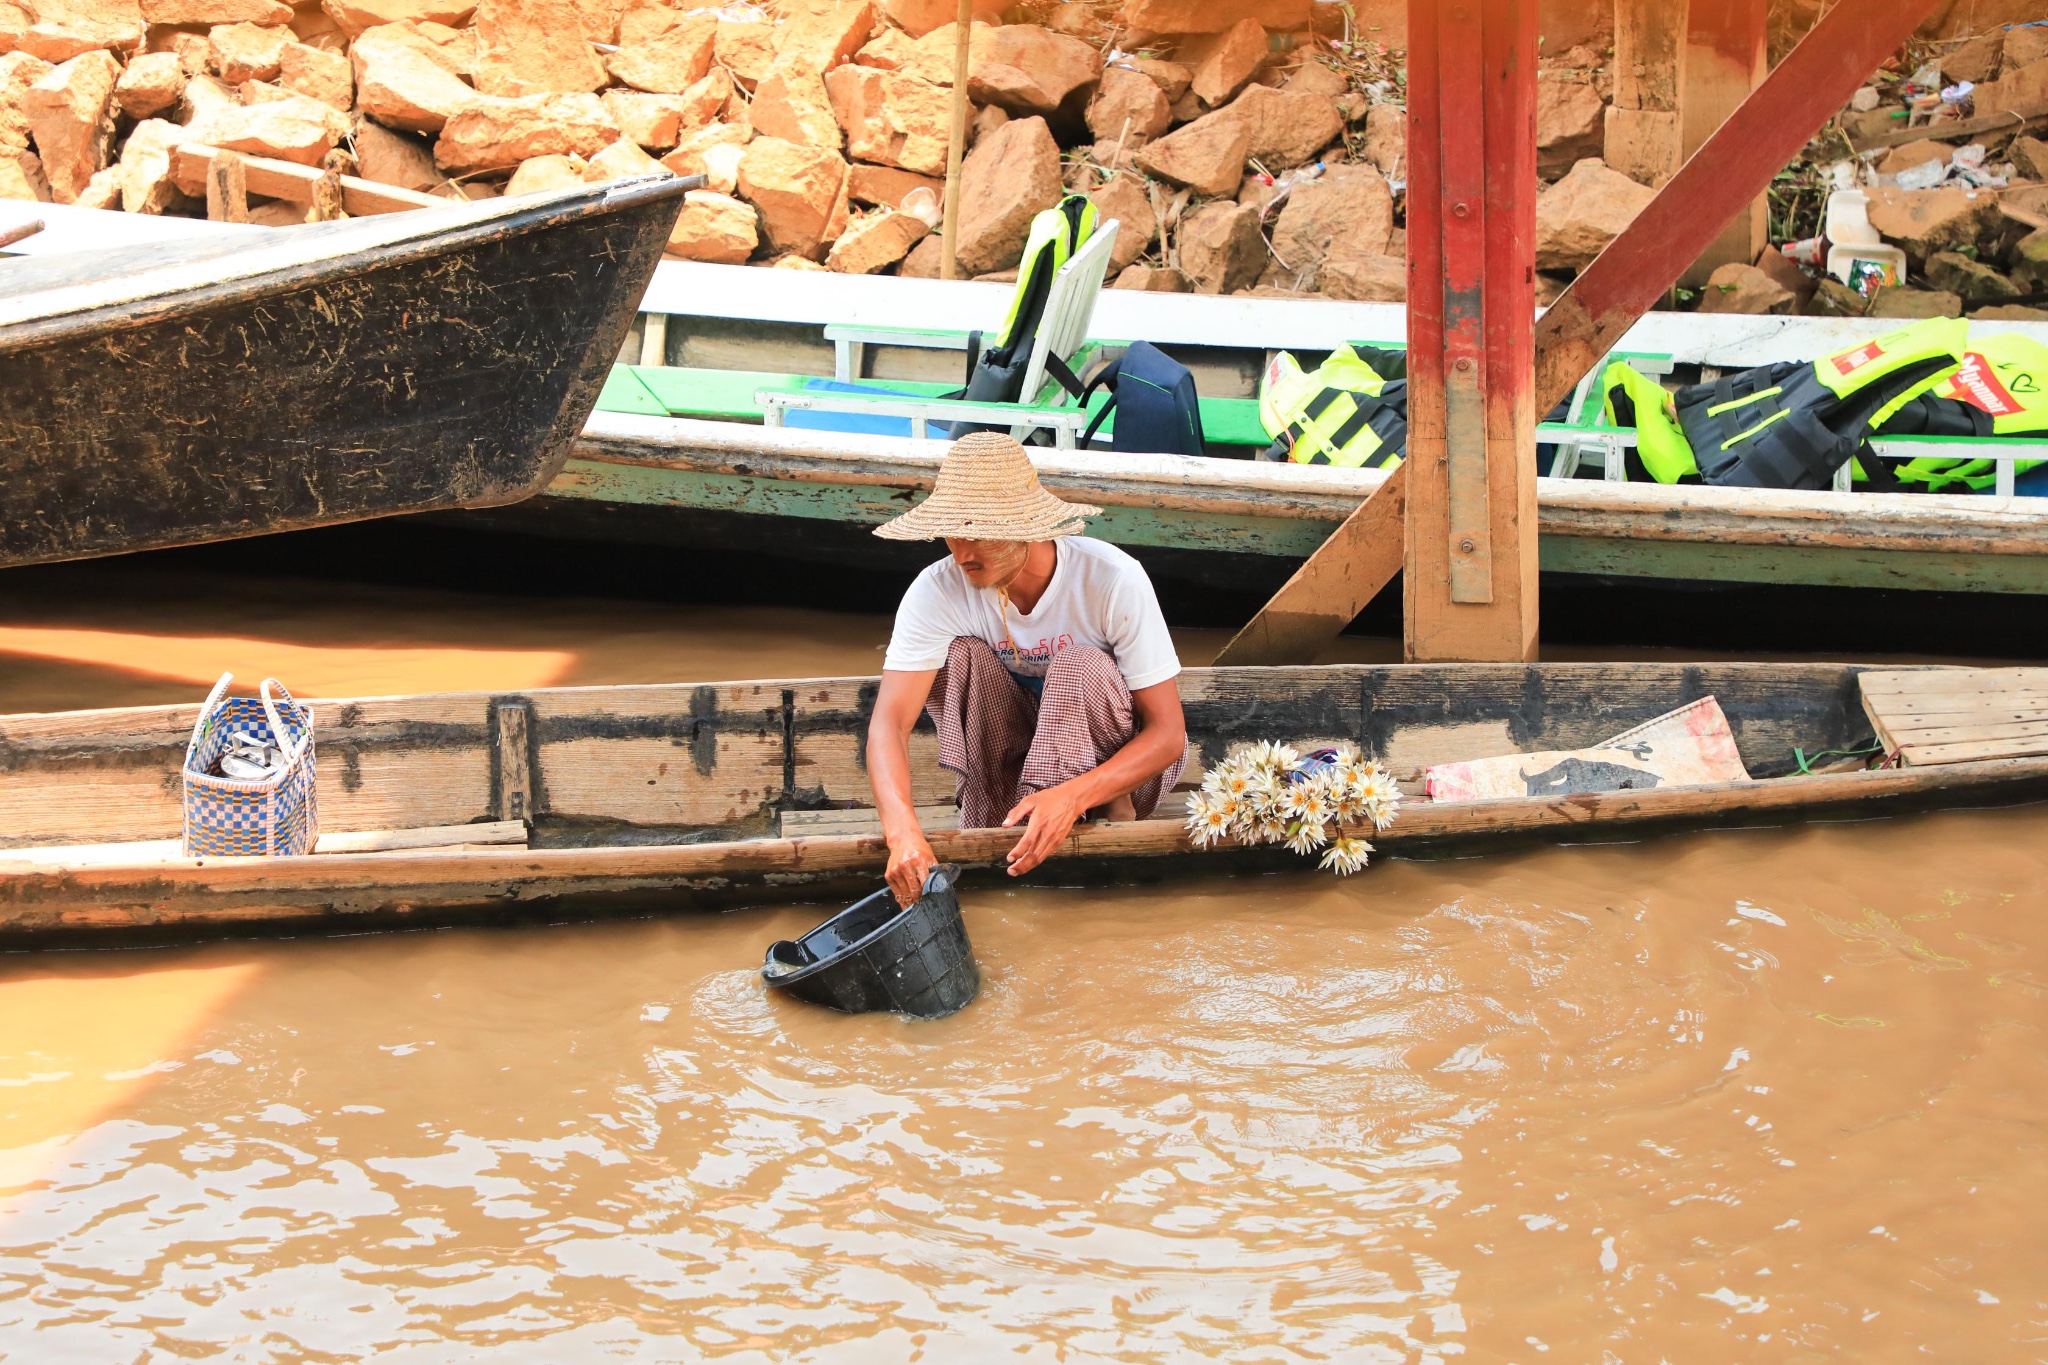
[229,817]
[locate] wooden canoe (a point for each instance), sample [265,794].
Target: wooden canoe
[218,386]
[643,799]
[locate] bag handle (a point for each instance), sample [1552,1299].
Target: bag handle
[206,709]
[277,730]
[1106,377]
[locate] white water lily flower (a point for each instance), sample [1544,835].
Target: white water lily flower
[1205,824]
[1346,856]
[1305,838]
[1294,800]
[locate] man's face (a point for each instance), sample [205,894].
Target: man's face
[989,563]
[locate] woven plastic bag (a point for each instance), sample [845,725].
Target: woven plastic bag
[229,817]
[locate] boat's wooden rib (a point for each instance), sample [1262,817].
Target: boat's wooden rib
[641,798]
[226,385]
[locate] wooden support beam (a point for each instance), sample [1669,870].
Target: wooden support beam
[273,179]
[2006,120]
[1734,166]
[1645,136]
[1331,587]
[1469,586]
[1727,46]
[227,189]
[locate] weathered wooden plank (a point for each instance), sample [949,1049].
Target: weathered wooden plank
[1726,58]
[1918,571]
[1733,167]
[193,165]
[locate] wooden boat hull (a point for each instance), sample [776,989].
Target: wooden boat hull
[644,799]
[198,391]
[1207,522]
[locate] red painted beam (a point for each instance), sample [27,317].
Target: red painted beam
[1732,168]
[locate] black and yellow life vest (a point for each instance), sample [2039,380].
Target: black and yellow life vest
[2001,389]
[1352,410]
[996,367]
[1661,452]
[1793,425]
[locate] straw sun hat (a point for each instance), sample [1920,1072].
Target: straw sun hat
[987,490]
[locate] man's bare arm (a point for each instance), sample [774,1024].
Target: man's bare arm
[897,707]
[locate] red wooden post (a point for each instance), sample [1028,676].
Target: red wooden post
[1726,57]
[1470,567]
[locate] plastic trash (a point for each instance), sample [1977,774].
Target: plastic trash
[1924,176]
[876,956]
[249,760]
[1859,257]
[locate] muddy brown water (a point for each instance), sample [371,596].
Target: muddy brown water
[1758,1096]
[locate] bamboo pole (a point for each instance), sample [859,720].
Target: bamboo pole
[956,143]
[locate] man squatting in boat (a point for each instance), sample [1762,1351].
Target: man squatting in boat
[1042,657]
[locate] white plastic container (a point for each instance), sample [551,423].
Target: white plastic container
[1855,242]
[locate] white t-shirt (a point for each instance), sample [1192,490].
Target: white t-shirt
[1098,596]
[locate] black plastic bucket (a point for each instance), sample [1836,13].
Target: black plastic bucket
[875,956]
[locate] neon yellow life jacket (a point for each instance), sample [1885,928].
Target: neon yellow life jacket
[1056,234]
[1352,410]
[2001,389]
[1636,400]
[1793,425]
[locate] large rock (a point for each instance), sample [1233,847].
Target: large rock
[668,64]
[534,47]
[715,228]
[1974,282]
[1031,70]
[1739,288]
[1578,216]
[401,87]
[146,182]
[622,161]
[798,189]
[247,52]
[1152,279]
[21,176]
[536,175]
[793,102]
[1130,106]
[694,142]
[1926,222]
[318,75]
[1976,61]
[1213,16]
[2023,47]
[71,116]
[1221,248]
[2029,157]
[2010,312]
[394,159]
[1124,198]
[354,17]
[644,19]
[891,50]
[1011,176]
[891,119]
[2020,89]
[291,128]
[745,49]
[651,121]
[1287,128]
[64,29]
[1571,125]
[1900,301]
[1349,211]
[451,49]
[1229,62]
[1365,278]
[876,242]
[931,57]
[1386,140]
[496,134]
[149,84]
[1914,154]
[210,12]
[886,187]
[1314,78]
[2030,260]
[18,71]
[1207,155]
[919,17]
[820,41]
[1173,79]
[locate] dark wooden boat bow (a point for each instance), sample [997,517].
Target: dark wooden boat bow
[206,389]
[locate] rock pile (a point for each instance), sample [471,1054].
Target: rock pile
[1245,145]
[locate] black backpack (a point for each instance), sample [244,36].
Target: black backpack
[1153,396]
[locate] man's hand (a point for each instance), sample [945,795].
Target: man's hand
[910,861]
[1051,814]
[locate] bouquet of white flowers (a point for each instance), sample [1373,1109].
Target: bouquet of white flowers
[1269,793]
